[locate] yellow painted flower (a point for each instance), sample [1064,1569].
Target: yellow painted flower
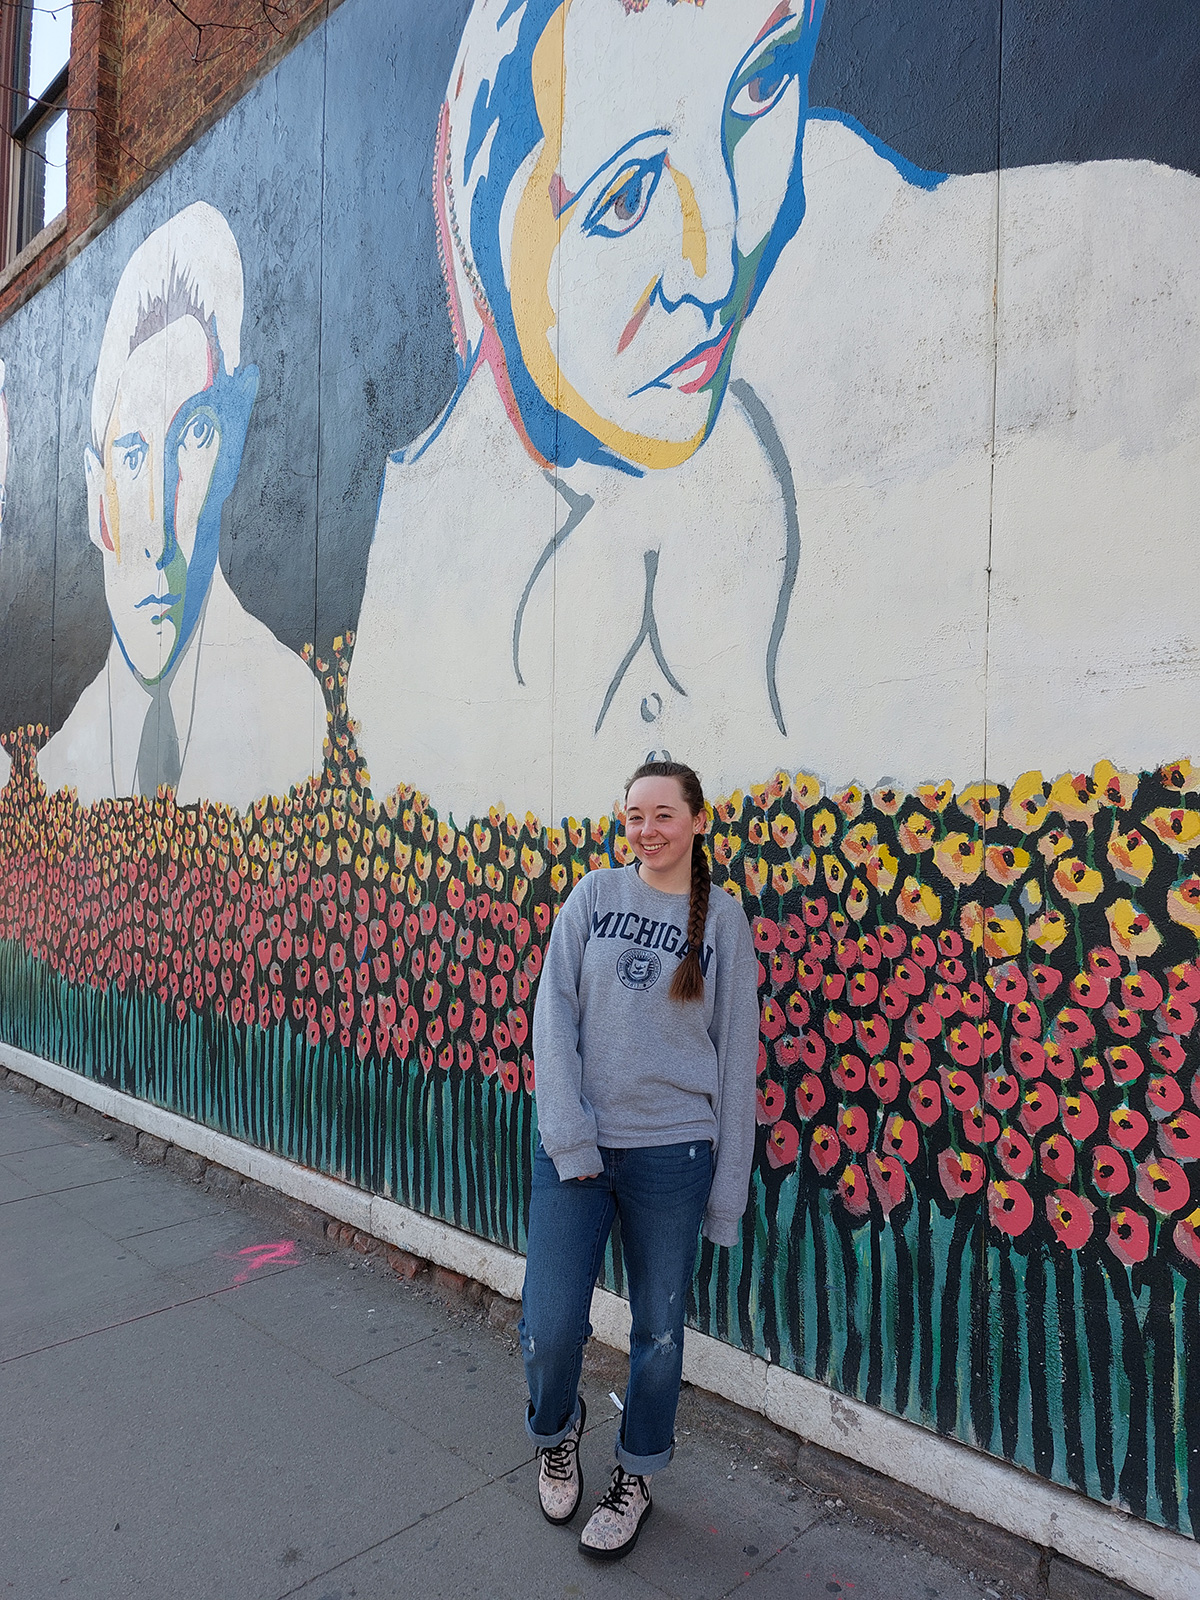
[446,837]
[1176,828]
[725,848]
[849,802]
[858,901]
[1114,788]
[882,870]
[757,874]
[1055,842]
[344,850]
[1131,855]
[578,871]
[980,802]
[917,833]
[935,796]
[835,874]
[783,830]
[1183,904]
[532,861]
[958,858]
[806,866]
[1181,776]
[806,790]
[757,831]
[1074,797]
[622,850]
[482,837]
[823,828]
[556,841]
[860,842]
[996,930]
[918,904]
[783,878]
[1005,863]
[323,853]
[1076,882]
[558,877]
[1131,930]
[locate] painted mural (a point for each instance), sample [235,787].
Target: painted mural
[374,509]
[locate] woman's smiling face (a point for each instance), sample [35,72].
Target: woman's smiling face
[643,227]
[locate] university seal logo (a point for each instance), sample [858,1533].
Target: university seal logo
[638,969]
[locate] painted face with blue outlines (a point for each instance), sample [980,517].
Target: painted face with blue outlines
[160,412]
[650,217]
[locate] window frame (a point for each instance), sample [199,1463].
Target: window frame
[28,117]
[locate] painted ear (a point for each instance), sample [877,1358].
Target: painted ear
[93,471]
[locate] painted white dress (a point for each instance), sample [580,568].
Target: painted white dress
[249,715]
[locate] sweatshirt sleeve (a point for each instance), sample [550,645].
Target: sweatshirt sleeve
[566,1122]
[734,1032]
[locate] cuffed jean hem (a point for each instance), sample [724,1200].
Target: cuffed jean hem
[547,1441]
[643,1466]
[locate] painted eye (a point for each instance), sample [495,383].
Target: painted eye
[133,458]
[758,94]
[626,201]
[198,434]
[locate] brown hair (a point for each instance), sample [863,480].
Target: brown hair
[688,982]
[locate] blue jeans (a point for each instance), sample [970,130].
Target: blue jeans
[659,1194]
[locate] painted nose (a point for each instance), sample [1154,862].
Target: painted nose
[702,273]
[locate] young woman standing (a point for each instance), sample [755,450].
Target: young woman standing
[645,1038]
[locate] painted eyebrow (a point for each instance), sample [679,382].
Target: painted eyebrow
[780,13]
[129,441]
[639,138]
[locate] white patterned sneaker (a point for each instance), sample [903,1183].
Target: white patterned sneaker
[560,1479]
[612,1529]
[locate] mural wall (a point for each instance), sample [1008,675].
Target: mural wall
[499,395]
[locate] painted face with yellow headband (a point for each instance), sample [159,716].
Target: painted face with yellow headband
[637,234]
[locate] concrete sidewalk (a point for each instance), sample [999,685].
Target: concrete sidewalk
[198,1402]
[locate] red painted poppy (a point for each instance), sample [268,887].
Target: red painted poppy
[923,1023]
[1039,1107]
[850,1074]
[1014,1152]
[854,1128]
[884,1079]
[1164,1096]
[1124,1023]
[1057,1155]
[824,1148]
[1010,1208]
[1186,1236]
[1089,989]
[1105,961]
[974,1000]
[767,934]
[1184,980]
[1164,1185]
[889,1181]
[1127,1127]
[1045,979]
[1129,1236]
[965,1044]
[909,977]
[1027,1056]
[961,1088]
[1001,1089]
[838,1027]
[793,933]
[900,1138]
[1060,1060]
[772,1101]
[787,1050]
[798,1010]
[852,1187]
[1080,1116]
[809,1096]
[771,1021]
[962,1172]
[990,1038]
[893,1000]
[1007,983]
[1073,1027]
[873,1034]
[863,989]
[813,1051]
[892,940]
[782,968]
[925,1101]
[1124,1063]
[1180,1137]
[1176,1015]
[783,1144]
[832,985]
[979,1126]
[1070,1216]
[1169,1053]
[1141,991]
[952,971]
[1026,1020]
[814,910]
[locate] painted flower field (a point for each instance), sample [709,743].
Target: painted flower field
[976,1200]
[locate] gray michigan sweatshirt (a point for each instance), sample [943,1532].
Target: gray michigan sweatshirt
[619,1063]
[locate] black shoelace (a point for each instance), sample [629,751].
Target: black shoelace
[557,1459]
[623,1486]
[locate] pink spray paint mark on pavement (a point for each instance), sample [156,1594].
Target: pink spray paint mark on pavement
[257,1256]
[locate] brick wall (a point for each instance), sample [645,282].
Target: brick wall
[145,80]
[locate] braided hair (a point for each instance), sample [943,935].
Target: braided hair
[688,982]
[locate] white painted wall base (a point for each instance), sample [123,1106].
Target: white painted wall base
[1148,1559]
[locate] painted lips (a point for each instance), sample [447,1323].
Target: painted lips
[699,369]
